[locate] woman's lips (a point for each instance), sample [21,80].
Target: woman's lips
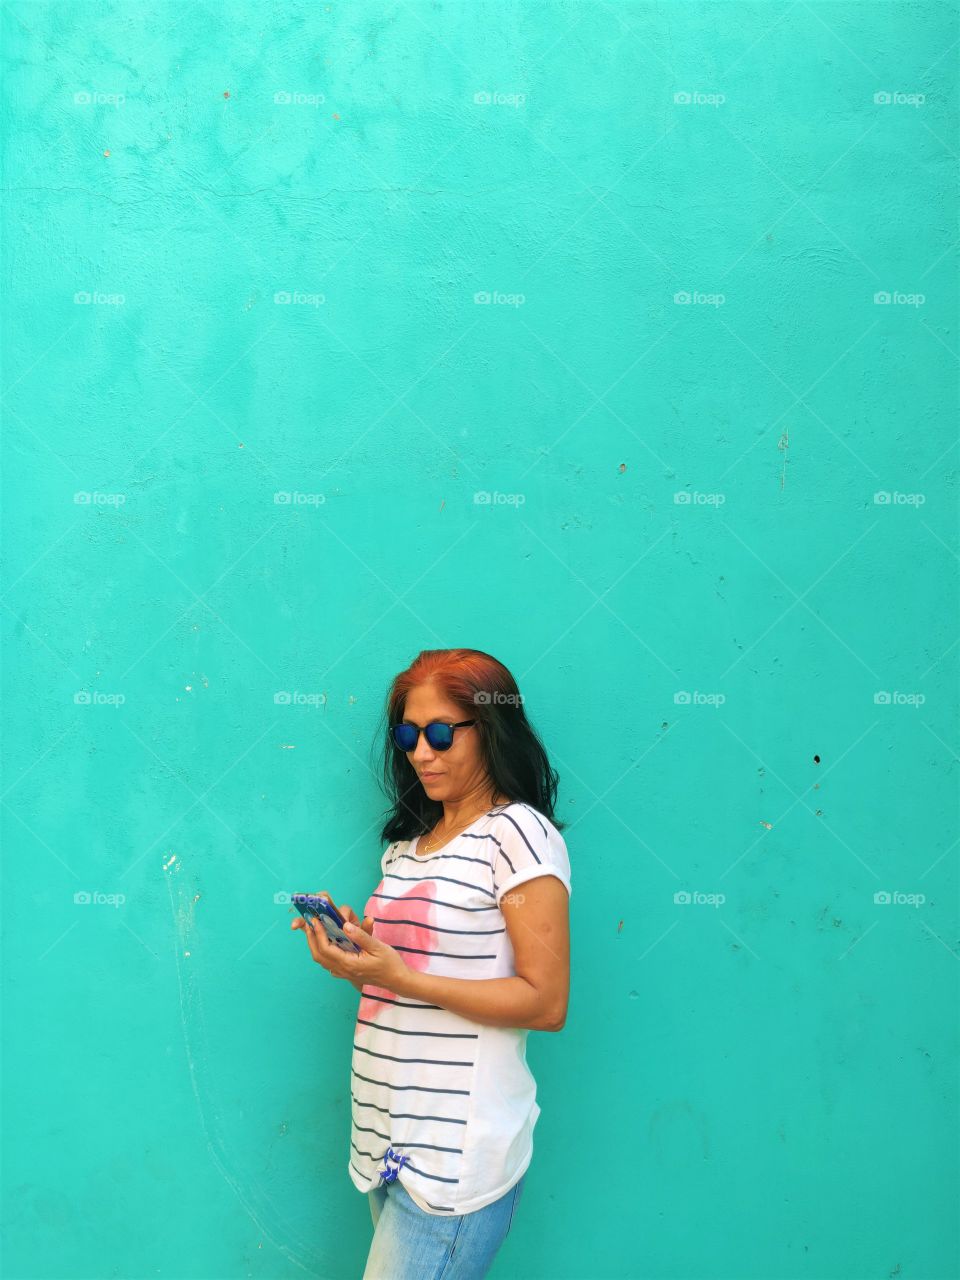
[428,776]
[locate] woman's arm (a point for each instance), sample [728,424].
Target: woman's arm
[496,1002]
[537,920]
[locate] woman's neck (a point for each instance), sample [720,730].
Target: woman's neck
[461,812]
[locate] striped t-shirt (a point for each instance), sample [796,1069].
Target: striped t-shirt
[454,1097]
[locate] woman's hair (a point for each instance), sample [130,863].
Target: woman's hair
[515,759]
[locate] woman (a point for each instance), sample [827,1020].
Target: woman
[458,962]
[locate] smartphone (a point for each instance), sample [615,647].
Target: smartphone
[312,907]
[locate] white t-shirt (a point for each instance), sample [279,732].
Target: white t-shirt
[452,1095]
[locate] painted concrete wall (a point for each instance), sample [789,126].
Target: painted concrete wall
[243,252]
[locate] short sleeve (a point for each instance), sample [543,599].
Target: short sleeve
[387,858]
[527,845]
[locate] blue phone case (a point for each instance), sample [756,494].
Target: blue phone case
[312,907]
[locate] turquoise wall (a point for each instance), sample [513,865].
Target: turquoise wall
[243,249]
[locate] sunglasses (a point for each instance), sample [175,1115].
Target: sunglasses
[439,735]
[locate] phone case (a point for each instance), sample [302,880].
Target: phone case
[312,906]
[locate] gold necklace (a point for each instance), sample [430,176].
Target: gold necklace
[427,847]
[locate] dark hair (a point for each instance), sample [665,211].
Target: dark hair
[516,762]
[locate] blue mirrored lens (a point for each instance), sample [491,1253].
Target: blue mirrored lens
[439,735]
[405,736]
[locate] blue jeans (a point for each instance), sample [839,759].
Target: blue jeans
[409,1244]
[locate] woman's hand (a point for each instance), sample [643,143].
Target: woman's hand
[377,965]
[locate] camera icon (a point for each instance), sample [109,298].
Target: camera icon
[82,899]
[682,898]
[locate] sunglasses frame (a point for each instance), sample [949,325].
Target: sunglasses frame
[462,724]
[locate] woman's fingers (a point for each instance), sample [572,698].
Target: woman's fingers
[366,924]
[348,913]
[320,945]
[323,951]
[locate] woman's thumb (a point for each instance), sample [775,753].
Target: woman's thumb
[359,936]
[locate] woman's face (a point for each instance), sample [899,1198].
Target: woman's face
[447,776]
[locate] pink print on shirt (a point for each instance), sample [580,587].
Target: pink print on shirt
[400,923]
